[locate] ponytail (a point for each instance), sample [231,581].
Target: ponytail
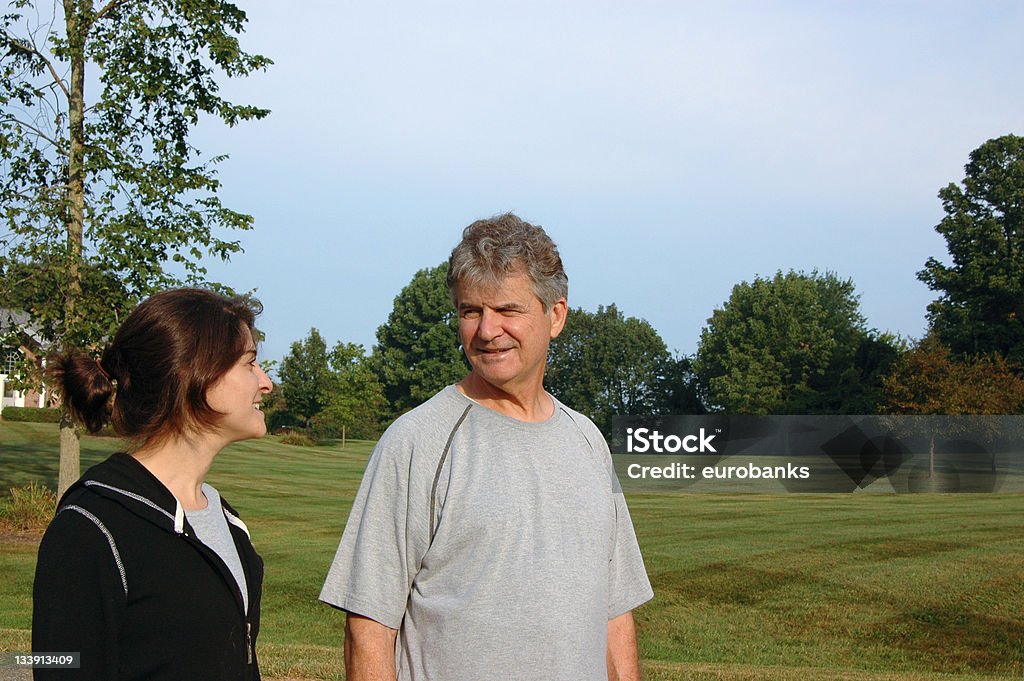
[86,387]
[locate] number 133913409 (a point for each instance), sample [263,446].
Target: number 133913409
[46,660]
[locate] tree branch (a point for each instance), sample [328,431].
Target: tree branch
[19,45]
[30,196]
[11,119]
[109,7]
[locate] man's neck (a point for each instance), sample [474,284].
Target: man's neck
[529,403]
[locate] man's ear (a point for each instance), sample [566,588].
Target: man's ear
[558,312]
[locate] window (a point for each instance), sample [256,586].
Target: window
[11,360]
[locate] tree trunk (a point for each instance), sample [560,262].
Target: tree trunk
[77,28]
[69,455]
[931,458]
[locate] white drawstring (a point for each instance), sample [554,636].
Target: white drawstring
[179,517]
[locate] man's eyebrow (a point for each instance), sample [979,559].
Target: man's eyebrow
[510,305]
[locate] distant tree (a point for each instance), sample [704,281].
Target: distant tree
[793,344]
[305,377]
[981,306]
[679,390]
[856,388]
[929,379]
[275,410]
[110,182]
[356,403]
[417,351]
[605,363]
[331,393]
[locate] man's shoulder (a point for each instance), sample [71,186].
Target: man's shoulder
[582,422]
[434,419]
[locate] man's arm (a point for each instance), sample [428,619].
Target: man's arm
[623,660]
[369,650]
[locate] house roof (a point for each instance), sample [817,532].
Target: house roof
[16,321]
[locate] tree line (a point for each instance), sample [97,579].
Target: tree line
[793,343]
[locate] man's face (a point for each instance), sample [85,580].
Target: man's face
[505,331]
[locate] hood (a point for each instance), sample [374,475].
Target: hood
[125,481]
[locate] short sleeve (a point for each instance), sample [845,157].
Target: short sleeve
[383,541]
[628,585]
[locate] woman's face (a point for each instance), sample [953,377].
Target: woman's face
[237,396]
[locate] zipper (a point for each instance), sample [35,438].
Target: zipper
[230,580]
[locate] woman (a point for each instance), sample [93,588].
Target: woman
[145,571]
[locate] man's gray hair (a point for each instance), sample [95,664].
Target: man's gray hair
[494,248]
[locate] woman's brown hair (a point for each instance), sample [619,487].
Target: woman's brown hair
[151,380]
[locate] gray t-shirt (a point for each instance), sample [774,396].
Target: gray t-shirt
[499,548]
[211,527]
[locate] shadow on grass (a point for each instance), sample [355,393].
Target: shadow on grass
[949,639]
[725,583]
[906,547]
[24,462]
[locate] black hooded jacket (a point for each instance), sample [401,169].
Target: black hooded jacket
[123,580]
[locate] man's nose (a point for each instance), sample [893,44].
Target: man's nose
[490,325]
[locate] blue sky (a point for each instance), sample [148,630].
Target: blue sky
[671,149]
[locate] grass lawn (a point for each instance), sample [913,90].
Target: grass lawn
[858,587]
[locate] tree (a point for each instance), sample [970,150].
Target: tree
[605,363]
[981,307]
[929,379]
[679,389]
[305,377]
[111,183]
[275,409]
[331,392]
[417,351]
[356,403]
[793,344]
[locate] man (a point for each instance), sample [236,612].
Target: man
[489,537]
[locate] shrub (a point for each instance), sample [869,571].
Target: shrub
[28,508]
[30,415]
[323,427]
[298,439]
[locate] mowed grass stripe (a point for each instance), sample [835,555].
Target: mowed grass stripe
[876,581]
[748,586]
